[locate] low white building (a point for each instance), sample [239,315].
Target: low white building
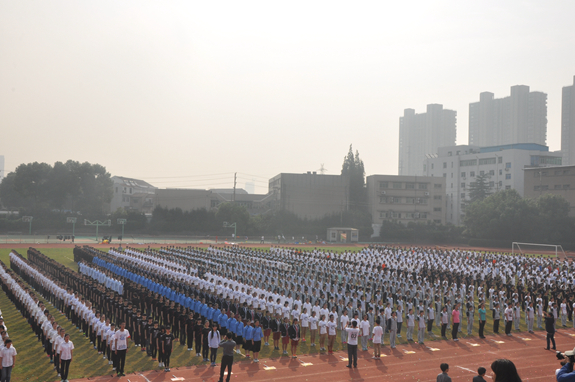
[132,194]
[504,165]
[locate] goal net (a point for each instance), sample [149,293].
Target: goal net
[536,249]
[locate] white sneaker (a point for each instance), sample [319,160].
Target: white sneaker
[256,360]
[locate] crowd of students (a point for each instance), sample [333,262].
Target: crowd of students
[196,296]
[7,350]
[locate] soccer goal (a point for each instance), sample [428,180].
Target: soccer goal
[536,249]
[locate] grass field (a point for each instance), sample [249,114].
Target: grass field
[33,365]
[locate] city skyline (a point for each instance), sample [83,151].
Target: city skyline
[163,91]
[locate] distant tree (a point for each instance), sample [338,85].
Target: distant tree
[76,186]
[354,171]
[479,189]
[234,213]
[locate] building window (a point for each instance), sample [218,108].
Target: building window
[486,161]
[449,153]
[472,174]
[436,209]
[444,164]
[565,172]
[508,165]
[422,186]
[395,200]
[557,187]
[536,188]
[432,166]
[383,199]
[444,175]
[410,186]
[507,176]
[437,197]
[130,190]
[436,186]
[500,183]
[382,214]
[491,172]
[508,187]
[545,188]
[499,159]
[383,184]
[410,200]
[463,174]
[463,195]
[396,184]
[491,184]
[423,215]
[463,185]
[438,221]
[566,186]
[481,172]
[500,172]
[468,162]
[421,200]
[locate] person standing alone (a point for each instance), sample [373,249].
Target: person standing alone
[550,328]
[352,337]
[228,358]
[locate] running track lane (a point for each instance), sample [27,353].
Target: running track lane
[524,349]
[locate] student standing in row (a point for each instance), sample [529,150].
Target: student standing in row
[482,317]
[66,350]
[294,334]
[410,325]
[322,332]
[421,327]
[167,346]
[530,317]
[331,333]
[257,340]
[313,327]
[456,320]
[365,332]
[393,330]
[377,334]
[508,320]
[121,345]
[214,343]
[8,360]
[496,318]
[444,322]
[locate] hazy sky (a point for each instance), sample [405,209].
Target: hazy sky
[186,93]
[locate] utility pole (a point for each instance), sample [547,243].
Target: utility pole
[234,195]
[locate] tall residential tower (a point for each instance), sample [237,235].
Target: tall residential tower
[518,118]
[568,124]
[422,134]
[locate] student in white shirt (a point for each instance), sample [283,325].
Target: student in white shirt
[304,318]
[66,351]
[121,345]
[421,327]
[410,325]
[564,313]
[364,332]
[344,319]
[7,359]
[377,335]
[331,332]
[393,330]
[313,327]
[352,336]
[322,332]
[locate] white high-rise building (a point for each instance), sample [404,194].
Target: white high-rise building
[519,118]
[422,134]
[568,124]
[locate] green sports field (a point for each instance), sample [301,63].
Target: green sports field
[32,363]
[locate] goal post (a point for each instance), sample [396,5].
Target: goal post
[529,248]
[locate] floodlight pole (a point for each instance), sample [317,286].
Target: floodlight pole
[73,221]
[28,219]
[233,225]
[123,223]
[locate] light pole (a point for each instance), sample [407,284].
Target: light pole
[123,223]
[232,225]
[28,219]
[73,221]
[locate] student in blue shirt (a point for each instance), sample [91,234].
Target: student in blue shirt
[257,340]
[239,335]
[223,321]
[248,339]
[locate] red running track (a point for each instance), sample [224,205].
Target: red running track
[405,363]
